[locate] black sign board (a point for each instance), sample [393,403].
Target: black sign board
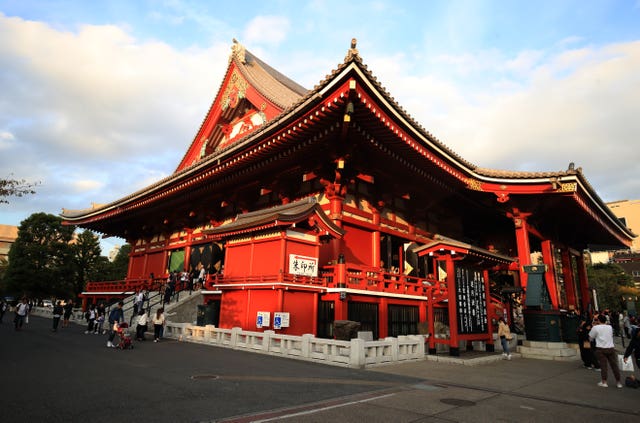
[471,301]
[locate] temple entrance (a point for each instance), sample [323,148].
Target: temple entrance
[403,320]
[326,317]
[366,314]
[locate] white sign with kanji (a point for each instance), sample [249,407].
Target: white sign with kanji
[263,319]
[303,265]
[280,320]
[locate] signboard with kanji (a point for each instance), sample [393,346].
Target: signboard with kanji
[263,319]
[280,320]
[303,265]
[471,301]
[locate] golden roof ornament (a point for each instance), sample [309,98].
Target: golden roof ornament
[237,51]
[353,51]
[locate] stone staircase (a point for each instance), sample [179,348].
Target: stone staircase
[556,351]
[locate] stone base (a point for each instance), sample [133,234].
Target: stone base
[556,351]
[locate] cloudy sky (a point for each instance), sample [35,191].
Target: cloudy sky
[101,98]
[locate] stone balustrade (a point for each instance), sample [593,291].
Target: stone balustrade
[356,353]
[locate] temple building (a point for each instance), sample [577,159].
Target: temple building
[306,207]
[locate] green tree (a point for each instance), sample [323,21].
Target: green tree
[86,254]
[609,280]
[15,188]
[40,260]
[121,262]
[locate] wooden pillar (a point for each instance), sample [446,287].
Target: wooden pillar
[522,243]
[583,284]
[454,348]
[383,319]
[431,321]
[489,346]
[187,251]
[314,324]
[550,274]
[375,240]
[569,282]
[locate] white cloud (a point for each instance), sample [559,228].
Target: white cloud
[94,103]
[271,30]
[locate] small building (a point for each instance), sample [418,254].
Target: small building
[306,207]
[8,235]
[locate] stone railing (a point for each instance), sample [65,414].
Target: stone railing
[356,353]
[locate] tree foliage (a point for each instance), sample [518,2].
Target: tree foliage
[40,260]
[610,282]
[86,254]
[15,188]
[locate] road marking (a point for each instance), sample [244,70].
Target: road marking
[317,410]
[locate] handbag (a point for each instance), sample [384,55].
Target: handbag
[625,367]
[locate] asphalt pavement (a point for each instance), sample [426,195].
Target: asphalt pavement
[68,376]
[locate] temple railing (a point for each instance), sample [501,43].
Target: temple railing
[349,276]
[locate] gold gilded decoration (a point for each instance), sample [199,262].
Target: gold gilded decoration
[235,91]
[570,187]
[474,184]
[238,51]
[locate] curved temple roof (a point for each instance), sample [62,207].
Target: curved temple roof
[477,178]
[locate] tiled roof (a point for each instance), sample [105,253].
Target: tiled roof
[287,213]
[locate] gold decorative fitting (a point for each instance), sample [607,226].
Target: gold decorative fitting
[570,187]
[238,51]
[235,91]
[474,184]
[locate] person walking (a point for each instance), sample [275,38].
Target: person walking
[504,333]
[141,326]
[115,317]
[91,319]
[68,311]
[100,315]
[22,311]
[57,314]
[586,346]
[602,333]
[3,309]
[158,325]
[633,348]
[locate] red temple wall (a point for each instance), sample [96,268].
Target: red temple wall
[136,267]
[357,245]
[300,306]
[266,259]
[155,264]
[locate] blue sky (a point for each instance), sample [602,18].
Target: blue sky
[102,98]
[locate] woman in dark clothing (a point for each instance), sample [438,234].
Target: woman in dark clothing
[586,348]
[634,347]
[57,313]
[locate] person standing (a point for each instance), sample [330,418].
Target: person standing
[100,315]
[3,309]
[141,326]
[158,325]
[602,333]
[634,347]
[91,319]
[586,348]
[68,310]
[57,314]
[22,311]
[115,317]
[504,333]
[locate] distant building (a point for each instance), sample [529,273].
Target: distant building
[114,252]
[8,235]
[629,212]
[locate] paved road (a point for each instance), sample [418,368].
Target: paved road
[72,377]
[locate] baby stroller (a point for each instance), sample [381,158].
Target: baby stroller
[125,339]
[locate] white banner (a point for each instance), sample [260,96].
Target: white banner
[303,265]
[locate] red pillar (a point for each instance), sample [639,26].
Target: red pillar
[383,316]
[569,282]
[583,284]
[454,348]
[489,342]
[431,321]
[522,242]
[550,274]
[375,240]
